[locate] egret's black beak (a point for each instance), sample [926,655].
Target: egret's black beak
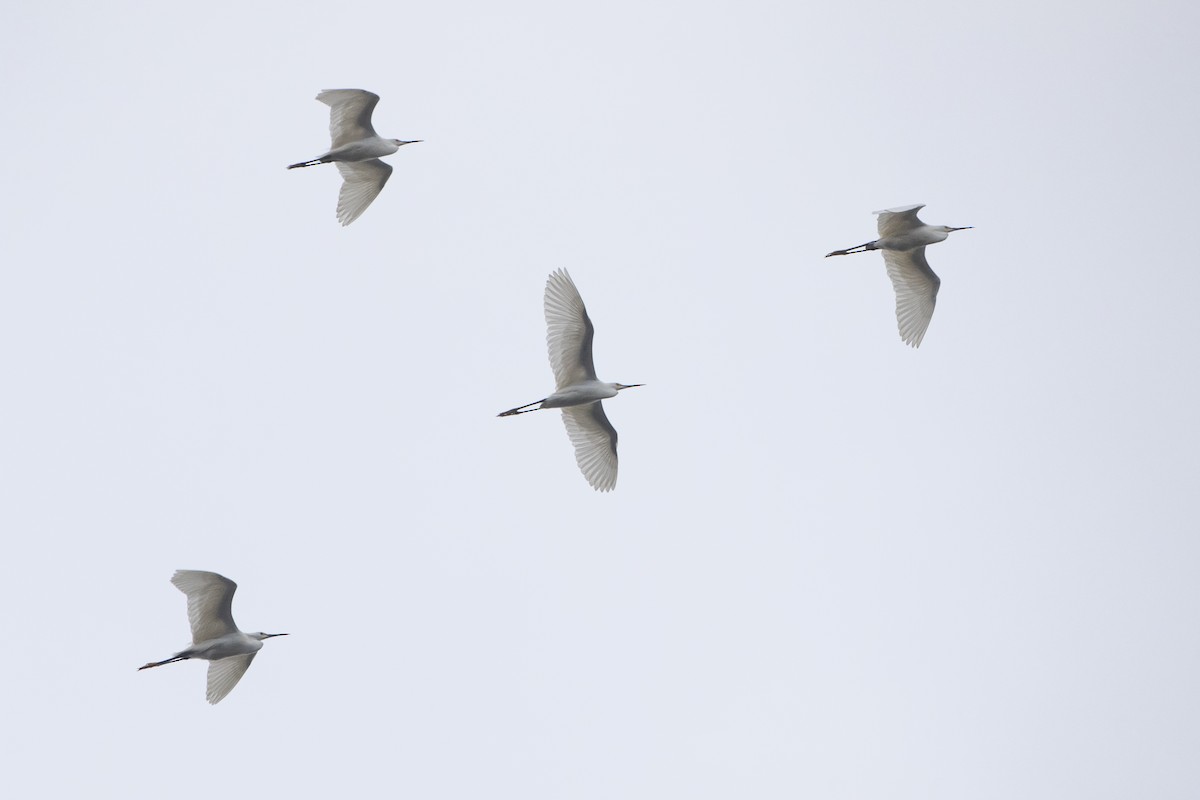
[272,635]
[414,141]
[967,228]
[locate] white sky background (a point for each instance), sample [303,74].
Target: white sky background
[833,567]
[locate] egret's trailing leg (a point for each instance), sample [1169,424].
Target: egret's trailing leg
[525,409]
[862,248]
[312,163]
[160,663]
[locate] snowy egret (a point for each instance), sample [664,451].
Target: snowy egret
[215,637]
[902,238]
[577,392]
[356,149]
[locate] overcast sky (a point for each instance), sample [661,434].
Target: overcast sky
[833,566]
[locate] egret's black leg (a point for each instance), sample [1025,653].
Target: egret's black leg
[167,661]
[525,409]
[312,163]
[861,248]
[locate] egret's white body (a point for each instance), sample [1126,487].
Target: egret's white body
[903,238]
[215,637]
[356,150]
[581,393]
[577,392]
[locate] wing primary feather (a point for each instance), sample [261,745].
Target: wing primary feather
[569,332]
[350,113]
[362,181]
[916,286]
[224,674]
[895,221]
[595,442]
[210,603]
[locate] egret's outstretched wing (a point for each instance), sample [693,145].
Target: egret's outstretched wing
[595,441]
[210,603]
[224,674]
[916,288]
[349,114]
[568,332]
[362,181]
[895,221]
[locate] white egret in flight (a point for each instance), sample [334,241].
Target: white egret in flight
[577,392]
[902,238]
[215,637]
[356,149]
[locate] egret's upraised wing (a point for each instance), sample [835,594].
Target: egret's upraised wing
[568,332]
[916,288]
[210,603]
[595,441]
[224,674]
[895,221]
[349,114]
[362,181]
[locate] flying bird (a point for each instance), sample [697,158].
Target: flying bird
[356,149]
[902,238]
[215,637]
[577,392]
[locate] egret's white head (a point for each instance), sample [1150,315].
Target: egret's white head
[620,386]
[260,635]
[400,142]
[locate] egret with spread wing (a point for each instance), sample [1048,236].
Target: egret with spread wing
[902,238]
[355,149]
[215,637]
[577,392]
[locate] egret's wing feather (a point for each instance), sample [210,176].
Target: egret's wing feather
[568,332]
[895,221]
[224,674]
[210,603]
[916,288]
[595,441]
[362,181]
[349,115]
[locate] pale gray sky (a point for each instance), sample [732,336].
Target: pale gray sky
[834,567]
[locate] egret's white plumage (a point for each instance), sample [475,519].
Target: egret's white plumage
[903,238]
[209,603]
[595,442]
[355,148]
[215,637]
[577,392]
[224,674]
[362,181]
